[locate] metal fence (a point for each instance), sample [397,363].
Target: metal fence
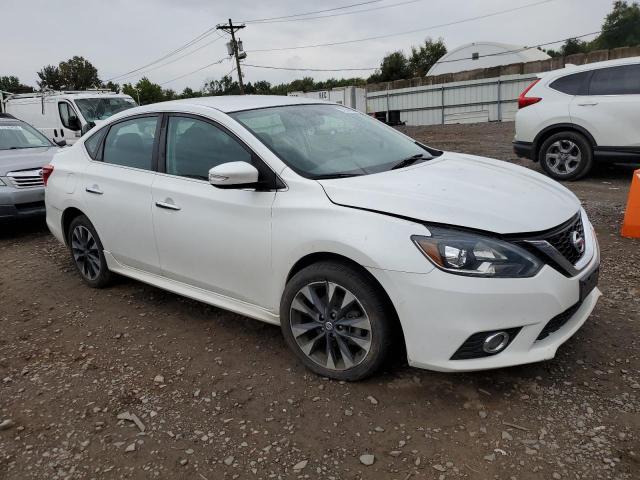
[486,100]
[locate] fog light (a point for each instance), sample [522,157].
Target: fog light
[496,342]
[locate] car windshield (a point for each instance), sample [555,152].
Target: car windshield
[93,109]
[324,141]
[16,135]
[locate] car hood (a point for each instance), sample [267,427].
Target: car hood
[461,190]
[25,158]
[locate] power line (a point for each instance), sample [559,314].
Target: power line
[378,37]
[344,7]
[310,69]
[301,69]
[178,58]
[196,71]
[339,14]
[164,57]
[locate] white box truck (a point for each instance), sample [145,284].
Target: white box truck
[352,97]
[65,115]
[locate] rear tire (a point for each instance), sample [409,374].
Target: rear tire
[566,156]
[87,253]
[337,321]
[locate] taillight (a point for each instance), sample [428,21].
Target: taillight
[47,170]
[523,100]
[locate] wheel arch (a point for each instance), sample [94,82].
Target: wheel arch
[69,214]
[317,257]
[557,128]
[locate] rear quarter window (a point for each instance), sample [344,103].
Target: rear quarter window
[92,144]
[575,84]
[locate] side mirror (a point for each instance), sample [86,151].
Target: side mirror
[74,123]
[86,127]
[61,143]
[233,175]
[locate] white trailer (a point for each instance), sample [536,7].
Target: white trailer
[352,97]
[65,115]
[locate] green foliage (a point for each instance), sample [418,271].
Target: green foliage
[394,66]
[50,77]
[425,56]
[621,27]
[145,92]
[77,73]
[12,84]
[114,87]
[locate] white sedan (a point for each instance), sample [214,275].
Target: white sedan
[351,236]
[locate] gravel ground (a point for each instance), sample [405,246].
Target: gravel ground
[134,382]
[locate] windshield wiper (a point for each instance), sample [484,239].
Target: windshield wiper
[410,161]
[329,176]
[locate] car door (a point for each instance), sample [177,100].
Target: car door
[611,109]
[69,129]
[211,238]
[117,190]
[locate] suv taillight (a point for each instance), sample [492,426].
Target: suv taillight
[47,170]
[523,100]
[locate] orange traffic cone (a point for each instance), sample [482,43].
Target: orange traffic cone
[631,222]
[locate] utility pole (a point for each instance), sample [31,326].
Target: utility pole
[231,29]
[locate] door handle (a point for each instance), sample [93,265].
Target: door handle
[168,206]
[94,189]
[588,104]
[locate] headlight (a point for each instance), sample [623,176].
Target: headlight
[476,255]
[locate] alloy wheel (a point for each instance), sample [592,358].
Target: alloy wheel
[330,325]
[85,252]
[563,157]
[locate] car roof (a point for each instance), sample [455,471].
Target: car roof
[235,103]
[590,66]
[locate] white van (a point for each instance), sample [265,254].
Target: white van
[66,115]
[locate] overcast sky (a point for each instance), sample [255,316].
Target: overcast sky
[120,35]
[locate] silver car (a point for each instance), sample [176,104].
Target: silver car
[23,153]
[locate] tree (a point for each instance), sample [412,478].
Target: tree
[145,91]
[114,87]
[79,74]
[621,27]
[425,56]
[190,93]
[12,84]
[50,77]
[394,66]
[574,45]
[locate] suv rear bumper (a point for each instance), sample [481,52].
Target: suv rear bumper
[523,149]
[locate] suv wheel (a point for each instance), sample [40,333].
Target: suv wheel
[86,253]
[566,156]
[336,321]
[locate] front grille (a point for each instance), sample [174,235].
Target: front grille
[26,178]
[472,346]
[557,322]
[561,240]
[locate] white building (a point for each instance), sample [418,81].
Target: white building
[483,55]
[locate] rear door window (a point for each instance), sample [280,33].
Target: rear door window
[623,80]
[130,143]
[575,84]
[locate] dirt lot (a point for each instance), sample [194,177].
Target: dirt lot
[219,396]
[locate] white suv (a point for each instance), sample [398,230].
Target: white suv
[570,117]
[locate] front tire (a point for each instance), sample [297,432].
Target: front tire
[87,253]
[566,156]
[336,320]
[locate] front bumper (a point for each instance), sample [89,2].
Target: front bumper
[24,202]
[523,149]
[439,311]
